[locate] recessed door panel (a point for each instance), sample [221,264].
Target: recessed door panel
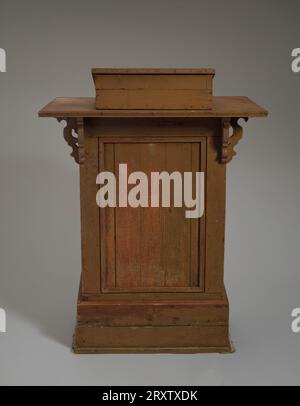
[152,248]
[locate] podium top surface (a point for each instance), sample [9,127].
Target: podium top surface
[153,71]
[222,106]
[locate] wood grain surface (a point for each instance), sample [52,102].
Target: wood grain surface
[222,106]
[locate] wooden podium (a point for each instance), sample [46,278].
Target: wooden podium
[152,279]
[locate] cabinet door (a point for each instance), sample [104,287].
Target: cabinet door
[152,249]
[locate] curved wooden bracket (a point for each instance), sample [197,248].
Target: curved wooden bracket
[73,134]
[230,141]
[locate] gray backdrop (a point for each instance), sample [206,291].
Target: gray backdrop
[51,47]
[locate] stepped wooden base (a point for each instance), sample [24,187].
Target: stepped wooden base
[153,323]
